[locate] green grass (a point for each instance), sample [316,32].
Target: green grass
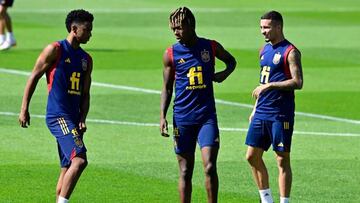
[134,163]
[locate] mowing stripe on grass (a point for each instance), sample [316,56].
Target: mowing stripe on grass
[219,101]
[114,122]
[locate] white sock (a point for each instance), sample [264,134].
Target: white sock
[62,200]
[284,199]
[265,196]
[2,38]
[10,36]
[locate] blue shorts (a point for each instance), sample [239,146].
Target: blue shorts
[186,136]
[7,3]
[263,133]
[69,138]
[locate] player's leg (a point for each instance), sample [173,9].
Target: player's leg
[282,134]
[72,154]
[209,142]
[258,141]
[258,168]
[2,23]
[6,23]
[72,175]
[209,157]
[186,168]
[184,146]
[60,182]
[285,173]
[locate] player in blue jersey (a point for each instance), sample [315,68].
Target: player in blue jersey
[6,40]
[189,67]
[272,119]
[68,70]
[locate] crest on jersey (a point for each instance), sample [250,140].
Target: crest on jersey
[277,58]
[205,56]
[84,64]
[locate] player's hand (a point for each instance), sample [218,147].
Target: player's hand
[259,90]
[82,127]
[164,128]
[24,118]
[219,77]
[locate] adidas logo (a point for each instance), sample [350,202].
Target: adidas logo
[181,61]
[67,60]
[280,144]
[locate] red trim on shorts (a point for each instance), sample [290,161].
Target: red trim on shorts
[73,154]
[51,72]
[286,65]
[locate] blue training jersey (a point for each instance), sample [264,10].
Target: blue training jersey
[275,104]
[65,81]
[194,71]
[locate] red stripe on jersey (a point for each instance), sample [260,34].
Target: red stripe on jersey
[169,52]
[213,47]
[286,65]
[50,73]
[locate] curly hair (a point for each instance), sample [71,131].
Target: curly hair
[78,16]
[182,15]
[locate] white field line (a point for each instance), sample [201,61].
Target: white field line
[218,101]
[114,122]
[168,10]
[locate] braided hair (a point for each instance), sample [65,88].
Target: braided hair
[180,16]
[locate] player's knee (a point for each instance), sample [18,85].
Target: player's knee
[83,163]
[283,162]
[210,169]
[252,158]
[80,163]
[186,173]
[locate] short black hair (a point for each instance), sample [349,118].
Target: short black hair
[78,16]
[182,15]
[274,16]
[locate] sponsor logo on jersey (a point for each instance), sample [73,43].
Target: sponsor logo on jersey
[277,58]
[205,56]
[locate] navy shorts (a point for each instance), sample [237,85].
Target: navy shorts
[263,133]
[69,138]
[7,3]
[186,136]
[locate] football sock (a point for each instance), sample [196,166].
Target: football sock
[265,196]
[10,36]
[284,200]
[2,38]
[62,200]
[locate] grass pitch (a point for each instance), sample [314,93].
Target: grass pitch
[128,160]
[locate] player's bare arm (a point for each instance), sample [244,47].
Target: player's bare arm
[43,63]
[296,81]
[228,59]
[166,93]
[85,98]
